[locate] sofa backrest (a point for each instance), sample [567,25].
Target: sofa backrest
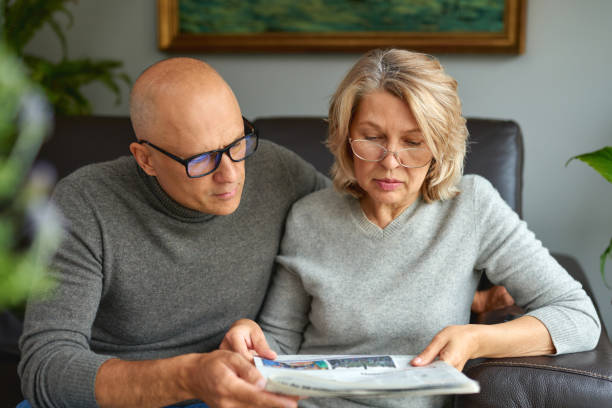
[495,148]
[79,140]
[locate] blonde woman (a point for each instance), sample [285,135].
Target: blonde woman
[388,261]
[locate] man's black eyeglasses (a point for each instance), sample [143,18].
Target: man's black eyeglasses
[205,163]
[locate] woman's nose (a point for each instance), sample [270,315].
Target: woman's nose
[390,161]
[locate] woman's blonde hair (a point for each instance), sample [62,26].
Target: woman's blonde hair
[420,81]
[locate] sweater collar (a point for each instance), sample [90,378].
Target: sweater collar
[373,230]
[169,205]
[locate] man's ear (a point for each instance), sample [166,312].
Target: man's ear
[143,158]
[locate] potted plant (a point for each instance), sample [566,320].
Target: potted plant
[601,161]
[61,81]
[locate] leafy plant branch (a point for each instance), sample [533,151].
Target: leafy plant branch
[61,81]
[601,161]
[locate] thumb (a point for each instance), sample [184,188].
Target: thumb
[248,372]
[261,345]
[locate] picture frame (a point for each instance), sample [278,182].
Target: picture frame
[509,40]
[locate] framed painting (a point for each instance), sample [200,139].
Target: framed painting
[433,26]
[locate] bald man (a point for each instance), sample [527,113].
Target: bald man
[163,251]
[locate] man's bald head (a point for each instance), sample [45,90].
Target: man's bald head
[183,108]
[177,89]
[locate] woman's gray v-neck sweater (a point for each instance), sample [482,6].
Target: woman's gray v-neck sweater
[345,286]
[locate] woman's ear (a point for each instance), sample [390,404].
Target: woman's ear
[143,158]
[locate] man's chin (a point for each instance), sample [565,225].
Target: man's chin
[225,207]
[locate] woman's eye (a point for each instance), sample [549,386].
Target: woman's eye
[413,143]
[372,138]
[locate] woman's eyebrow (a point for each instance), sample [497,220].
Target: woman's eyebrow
[369,123]
[377,127]
[412,132]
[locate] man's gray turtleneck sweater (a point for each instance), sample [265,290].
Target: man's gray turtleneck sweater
[141,277]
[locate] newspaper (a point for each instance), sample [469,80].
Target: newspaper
[361,375]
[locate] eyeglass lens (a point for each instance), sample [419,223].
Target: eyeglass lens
[207,162]
[371,151]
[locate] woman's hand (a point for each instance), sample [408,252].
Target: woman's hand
[525,336]
[453,344]
[246,338]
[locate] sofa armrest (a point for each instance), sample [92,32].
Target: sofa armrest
[569,380]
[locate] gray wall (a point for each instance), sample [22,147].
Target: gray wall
[559,91]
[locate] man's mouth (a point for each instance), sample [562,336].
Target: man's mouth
[226,195]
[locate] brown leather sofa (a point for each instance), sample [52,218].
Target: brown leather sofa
[495,152]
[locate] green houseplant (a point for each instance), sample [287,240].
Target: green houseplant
[29,225]
[61,80]
[601,161]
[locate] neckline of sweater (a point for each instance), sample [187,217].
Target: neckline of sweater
[169,205]
[373,230]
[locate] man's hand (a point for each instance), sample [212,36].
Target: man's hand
[226,379]
[496,297]
[220,378]
[246,337]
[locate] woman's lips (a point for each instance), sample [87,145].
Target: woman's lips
[388,184]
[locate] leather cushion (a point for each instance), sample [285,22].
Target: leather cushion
[495,149]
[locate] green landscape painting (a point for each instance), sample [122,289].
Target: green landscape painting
[329,16]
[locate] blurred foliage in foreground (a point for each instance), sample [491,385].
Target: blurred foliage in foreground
[29,226]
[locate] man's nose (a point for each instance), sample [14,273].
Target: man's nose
[227,172]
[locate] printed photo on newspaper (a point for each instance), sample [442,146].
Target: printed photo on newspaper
[362,375]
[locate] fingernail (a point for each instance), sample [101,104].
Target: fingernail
[261,383]
[418,360]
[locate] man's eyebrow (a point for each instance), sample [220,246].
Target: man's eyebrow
[222,147]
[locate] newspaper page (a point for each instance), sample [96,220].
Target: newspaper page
[361,375]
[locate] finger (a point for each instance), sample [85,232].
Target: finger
[248,395]
[508,299]
[431,351]
[248,387]
[261,345]
[235,341]
[478,301]
[500,298]
[247,371]
[225,345]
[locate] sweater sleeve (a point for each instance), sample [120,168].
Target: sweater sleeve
[285,312]
[511,256]
[284,315]
[57,367]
